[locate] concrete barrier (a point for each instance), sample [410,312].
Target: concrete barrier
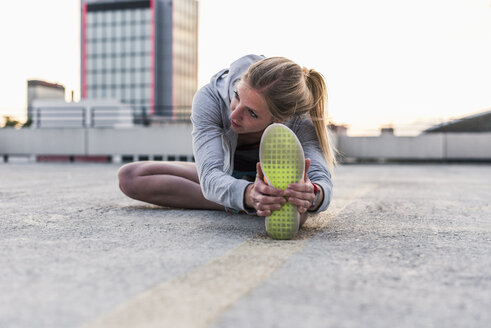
[173,140]
[43,141]
[170,139]
[167,141]
[392,147]
[434,146]
[468,146]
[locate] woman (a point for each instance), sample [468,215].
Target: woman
[229,115]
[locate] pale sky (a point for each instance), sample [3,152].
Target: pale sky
[409,63]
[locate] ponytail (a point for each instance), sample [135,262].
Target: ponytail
[290,90]
[317,86]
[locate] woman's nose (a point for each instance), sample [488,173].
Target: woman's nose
[237,113]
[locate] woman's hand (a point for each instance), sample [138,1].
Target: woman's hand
[301,194]
[262,197]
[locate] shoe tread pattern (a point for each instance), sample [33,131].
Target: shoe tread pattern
[282,162]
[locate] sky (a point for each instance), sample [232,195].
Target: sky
[405,63]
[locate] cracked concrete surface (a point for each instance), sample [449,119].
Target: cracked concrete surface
[401,245]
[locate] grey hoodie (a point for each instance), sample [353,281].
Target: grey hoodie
[214,141]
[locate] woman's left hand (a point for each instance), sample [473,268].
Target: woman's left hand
[301,194]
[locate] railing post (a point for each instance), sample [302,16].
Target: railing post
[144,117]
[38,117]
[85,117]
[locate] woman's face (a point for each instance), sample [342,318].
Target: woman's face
[250,113]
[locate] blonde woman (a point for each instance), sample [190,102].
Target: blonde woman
[229,116]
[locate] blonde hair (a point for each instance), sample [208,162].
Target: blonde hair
[290,90]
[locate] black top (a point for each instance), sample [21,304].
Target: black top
[246,157]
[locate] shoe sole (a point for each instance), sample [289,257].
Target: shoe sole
[283,162]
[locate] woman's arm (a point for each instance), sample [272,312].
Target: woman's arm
[208,134]
[317,172]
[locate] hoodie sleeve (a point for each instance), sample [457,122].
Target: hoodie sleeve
[318,172]
[208,133]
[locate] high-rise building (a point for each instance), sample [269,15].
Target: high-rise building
[141,52]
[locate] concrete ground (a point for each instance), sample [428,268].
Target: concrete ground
[400,246]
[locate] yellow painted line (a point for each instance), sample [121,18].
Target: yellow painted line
[200,296]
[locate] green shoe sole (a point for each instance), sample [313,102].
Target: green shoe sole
[283,162]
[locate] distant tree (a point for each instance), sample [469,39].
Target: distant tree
[28,123]
[10,122]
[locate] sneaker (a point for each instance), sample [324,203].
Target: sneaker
[283,162]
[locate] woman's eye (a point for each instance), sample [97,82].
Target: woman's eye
[236,94]
[252,114]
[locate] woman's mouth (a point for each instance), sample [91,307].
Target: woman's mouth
[235,125]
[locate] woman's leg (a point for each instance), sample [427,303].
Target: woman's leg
[173,184]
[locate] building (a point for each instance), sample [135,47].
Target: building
[339,129]
[387,130]
[87,113]
[480,122]
[42,90]
[141,52]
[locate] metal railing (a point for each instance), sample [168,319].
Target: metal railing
[107,116]
[69,117]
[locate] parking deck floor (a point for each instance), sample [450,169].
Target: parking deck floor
[400,246]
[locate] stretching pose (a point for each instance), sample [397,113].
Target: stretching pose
[229,116]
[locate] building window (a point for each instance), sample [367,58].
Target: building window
[118,52]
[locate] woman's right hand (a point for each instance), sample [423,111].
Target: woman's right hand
[262,197]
